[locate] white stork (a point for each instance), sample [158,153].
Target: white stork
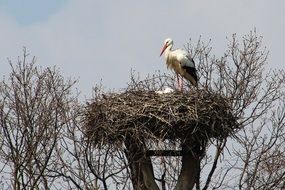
[180,61]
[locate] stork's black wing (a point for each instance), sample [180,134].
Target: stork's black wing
[191,71]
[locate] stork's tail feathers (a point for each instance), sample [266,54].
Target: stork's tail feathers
[191,75]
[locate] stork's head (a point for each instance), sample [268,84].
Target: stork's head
[168,42]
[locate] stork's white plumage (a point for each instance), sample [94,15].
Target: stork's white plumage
[165,91]
[180,61]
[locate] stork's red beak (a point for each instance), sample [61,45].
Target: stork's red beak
[163,49]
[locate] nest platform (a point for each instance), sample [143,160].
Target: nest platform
[147,115]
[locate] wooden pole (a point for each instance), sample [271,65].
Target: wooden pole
[142,175]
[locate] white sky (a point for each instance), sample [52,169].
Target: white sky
[93,40]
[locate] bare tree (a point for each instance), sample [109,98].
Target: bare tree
[42,141]
[261,156]
[32,113]
[255,91]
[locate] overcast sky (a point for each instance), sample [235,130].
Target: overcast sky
[95,39]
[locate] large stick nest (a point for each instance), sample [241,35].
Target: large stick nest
[145,114]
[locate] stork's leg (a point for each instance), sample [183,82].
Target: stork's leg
[180,82]
[177,78]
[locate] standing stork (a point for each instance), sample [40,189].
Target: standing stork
[180,61]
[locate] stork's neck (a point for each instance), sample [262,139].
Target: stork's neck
[168,50]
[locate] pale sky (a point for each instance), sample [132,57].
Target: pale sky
[93,40]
